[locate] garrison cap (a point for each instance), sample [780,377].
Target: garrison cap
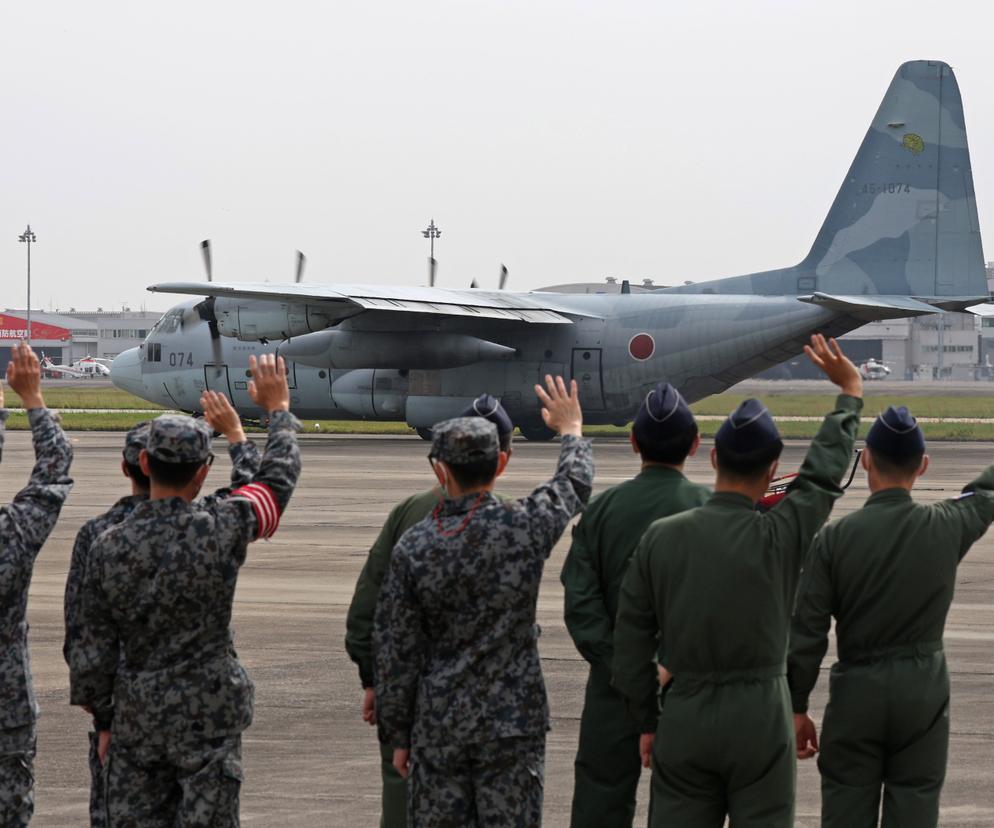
[464,440]
[749,428]
[663,414]
[490,409]
[134,441]
[176,438]
[896,433]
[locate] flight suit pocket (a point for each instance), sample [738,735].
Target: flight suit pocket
[17,700]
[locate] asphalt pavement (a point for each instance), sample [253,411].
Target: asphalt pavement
[309,759]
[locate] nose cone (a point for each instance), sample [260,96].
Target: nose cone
[126,373]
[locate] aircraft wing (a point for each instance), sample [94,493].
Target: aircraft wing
[536,308]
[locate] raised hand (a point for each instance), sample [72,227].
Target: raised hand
[560,408]
[268,388]
[24,375]
[828,357]
[221,416]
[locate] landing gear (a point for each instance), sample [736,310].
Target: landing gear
[538,434]
[424,434]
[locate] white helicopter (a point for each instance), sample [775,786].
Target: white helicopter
[86,368]
[873,369]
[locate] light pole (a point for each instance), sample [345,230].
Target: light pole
[28,237]
[431,232]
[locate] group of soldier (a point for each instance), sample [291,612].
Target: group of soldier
[147,607]
[703,618]
[703,615]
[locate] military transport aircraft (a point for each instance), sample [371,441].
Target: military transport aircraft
[902,239]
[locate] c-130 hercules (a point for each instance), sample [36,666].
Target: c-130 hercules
[902,239]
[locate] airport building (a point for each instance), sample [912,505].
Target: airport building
[71,336]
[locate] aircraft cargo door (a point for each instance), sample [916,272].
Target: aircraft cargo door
[216,378]
[586,371]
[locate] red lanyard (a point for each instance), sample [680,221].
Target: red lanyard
[463,525]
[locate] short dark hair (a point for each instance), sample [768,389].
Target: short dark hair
[750,464]
[477,473]
[173,475]
[672,450]
[896,467]
[138,477]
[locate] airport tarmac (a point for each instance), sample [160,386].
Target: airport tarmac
[309,759]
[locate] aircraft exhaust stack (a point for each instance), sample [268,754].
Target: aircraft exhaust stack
[381,349]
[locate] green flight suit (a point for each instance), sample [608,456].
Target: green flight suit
[607,766]
[359,631]
[887,573]
[713,589]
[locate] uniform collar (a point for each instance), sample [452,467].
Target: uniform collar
[660,471]
[895,495]
[464,504]
[164,506]
[730,500]
[131,500]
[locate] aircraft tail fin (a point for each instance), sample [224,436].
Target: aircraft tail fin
[905,220]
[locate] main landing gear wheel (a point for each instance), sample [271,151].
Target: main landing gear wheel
[538,434]
[424,434]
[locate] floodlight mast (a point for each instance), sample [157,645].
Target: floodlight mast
[431,232]
[28,237]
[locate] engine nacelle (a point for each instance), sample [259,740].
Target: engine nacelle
[371,395]
[392,349]
[253,320]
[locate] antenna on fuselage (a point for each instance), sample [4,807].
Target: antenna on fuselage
[503,277]
[301,261]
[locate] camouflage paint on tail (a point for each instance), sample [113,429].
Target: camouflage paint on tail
[905,220]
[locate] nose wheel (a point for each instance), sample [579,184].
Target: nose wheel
[537,433]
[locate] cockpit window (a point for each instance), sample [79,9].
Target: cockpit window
[169,323]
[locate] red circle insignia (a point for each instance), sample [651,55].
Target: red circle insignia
[641,346]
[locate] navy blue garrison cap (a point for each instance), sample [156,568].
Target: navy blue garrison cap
[896,434]
[490,409]
[748,428]
[663,414]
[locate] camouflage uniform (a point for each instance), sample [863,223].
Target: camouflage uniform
[244,464]
[157,596]
[458,678]
[24,526]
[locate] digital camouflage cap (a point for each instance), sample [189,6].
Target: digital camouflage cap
[134,441]
[464,440]
[176,438]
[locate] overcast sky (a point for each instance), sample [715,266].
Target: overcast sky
[569,140]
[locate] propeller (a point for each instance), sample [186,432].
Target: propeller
[432,267]
[503,277]
[301,261]
[205,250]
[205,309]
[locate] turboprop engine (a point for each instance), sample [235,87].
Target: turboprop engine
[255,320]
[384,349]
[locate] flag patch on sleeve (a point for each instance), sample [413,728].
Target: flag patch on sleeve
[267,511]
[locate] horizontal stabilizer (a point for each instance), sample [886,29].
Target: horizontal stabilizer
[872,307]
[984,309]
